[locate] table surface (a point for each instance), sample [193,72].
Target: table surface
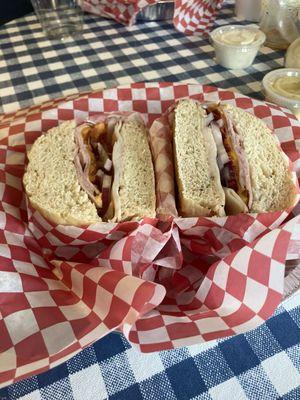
[261,364]
[34,69]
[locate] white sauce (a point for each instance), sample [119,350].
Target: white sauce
[287,86]
[237,37]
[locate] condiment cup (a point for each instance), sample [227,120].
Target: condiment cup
[292,56]
[236,56]
[280,99]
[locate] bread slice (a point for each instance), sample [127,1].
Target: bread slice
[195,154]
[133,190]
[271,182]
[51,182]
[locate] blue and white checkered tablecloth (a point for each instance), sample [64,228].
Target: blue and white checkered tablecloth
[262,364]
[34,69]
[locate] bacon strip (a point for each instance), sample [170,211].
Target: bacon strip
[235,170]
[94,168]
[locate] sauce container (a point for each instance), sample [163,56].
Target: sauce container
[236,46]
[282,87]
[292,56]
[280,23]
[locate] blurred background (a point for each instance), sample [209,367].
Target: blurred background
[13,9]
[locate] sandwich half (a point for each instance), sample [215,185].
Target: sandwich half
[195,155]
[257,170]
[133,190]
[226,158]
[91,173]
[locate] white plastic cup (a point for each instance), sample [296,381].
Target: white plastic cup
[292,56]
[236,56]
[274,97]
[59,18]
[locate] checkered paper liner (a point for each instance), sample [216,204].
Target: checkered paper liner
[190,17]
[164,283]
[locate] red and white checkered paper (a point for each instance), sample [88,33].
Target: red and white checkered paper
[190,16]
[163,282]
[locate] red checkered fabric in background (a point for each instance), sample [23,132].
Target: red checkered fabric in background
[123,11]
[164,283]
[190,16]
[195,16]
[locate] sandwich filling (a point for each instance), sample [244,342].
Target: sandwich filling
[232,160]
[114,167]
[93,163]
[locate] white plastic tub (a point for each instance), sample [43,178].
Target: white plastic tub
[272,95]
[236,46]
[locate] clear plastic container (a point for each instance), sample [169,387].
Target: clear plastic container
[272,95]
[236,46]
[249,10]
[59,19]
[280,22]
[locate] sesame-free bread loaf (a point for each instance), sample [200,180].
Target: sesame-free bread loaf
[87,174]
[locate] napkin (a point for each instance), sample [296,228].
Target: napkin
[190,16]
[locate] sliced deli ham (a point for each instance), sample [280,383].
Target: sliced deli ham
[106,193]
[91,190]
[122,189]
[244,181]
[222,158]
[103,156]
